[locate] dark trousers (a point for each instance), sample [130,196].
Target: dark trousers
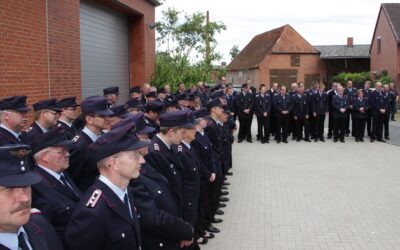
[377,126]
[347,129]
[282,124]
[202,207]
[319,126]
[214,192]
[263,127]
[244,128]
[330,124]
[272,124]
[339,127]
[393,110]
[386,120]
[359,127]
[300,125]
[292,127]
[369,123]
[311,124]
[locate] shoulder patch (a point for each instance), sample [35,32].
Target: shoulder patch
[75,139]
[180,149]
[28,129]
[94,198]
[156,147]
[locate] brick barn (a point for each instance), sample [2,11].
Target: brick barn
[58,48]
[280,55]
[385,45]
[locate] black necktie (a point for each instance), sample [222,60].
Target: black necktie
[126,204]
[21,242]
[67,185]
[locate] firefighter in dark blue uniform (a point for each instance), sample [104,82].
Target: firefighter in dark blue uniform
[350,92]
[106,216]
[300,114]
[14,117]
[244,111]
[379,106]
[20,228]
[360,114]
[340,105]
[283,105]
[69,113]
[320,108]
[262,107]
[96,116]
[57,195]
[46,117]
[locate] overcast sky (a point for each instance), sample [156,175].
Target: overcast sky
[319,22]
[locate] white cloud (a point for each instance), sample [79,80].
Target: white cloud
[319,22]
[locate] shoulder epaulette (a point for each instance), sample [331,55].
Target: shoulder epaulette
[94,198]
[156,147]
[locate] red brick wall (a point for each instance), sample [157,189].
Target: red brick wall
[64,48]
[388,59]
[23,49]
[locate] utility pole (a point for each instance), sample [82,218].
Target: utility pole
[207,36]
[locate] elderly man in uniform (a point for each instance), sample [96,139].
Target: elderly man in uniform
[320,108]
[56,196]
[340,105]
[47,113]
[111,94]
[283,105]
[19,229]
[301,115]
[13,118]
[106,216]
[96,115]
[69,112]
[379,108]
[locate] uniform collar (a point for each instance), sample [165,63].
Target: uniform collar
[10,240]
[119,192]
[186,144]
[51,172]
[90,133]
[11,131]
[66,123]
[166,144]
[42,128]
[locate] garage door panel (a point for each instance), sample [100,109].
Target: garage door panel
[104,49]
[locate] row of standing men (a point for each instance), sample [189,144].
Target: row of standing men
[115,177]
[302,113]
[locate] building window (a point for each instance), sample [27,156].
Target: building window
[240,74]
[295,60]
[379,45]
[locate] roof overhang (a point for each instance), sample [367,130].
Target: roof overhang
[345,57]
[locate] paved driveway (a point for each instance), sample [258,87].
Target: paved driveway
[312,196]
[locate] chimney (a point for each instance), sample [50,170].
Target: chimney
[350,42]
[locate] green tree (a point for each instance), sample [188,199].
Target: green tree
[234,51]
[190,48]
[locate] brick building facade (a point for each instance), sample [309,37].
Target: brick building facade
[41,52]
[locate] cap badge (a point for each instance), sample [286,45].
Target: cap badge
[20,153]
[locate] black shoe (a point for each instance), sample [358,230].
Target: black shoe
[342,140]
[224,192]
[216,220]
[361,140]
[223,199]
[308,140]
[285,141]
[262,141]
[387,138]
[226,183]
[239,140]
[293,138]
[224,187]
[208,235]
[298,139]
[381,140]
[267,140]
[322,139]
[357,140]
[249,140]
[202,241]
[372,140]
[219,212]
[315,139]
[335,140]
[347,135]
[278,141]
[229,173]
[258,138]
[212,229]
[225,178]
[221,205]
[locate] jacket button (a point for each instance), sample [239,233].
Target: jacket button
[67,208]
[194,169]
[159,191]
[161,244]
[123,235]
[190,203]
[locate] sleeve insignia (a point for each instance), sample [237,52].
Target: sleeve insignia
[75,139]
[94,198]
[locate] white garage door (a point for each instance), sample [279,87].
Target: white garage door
[104,50]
